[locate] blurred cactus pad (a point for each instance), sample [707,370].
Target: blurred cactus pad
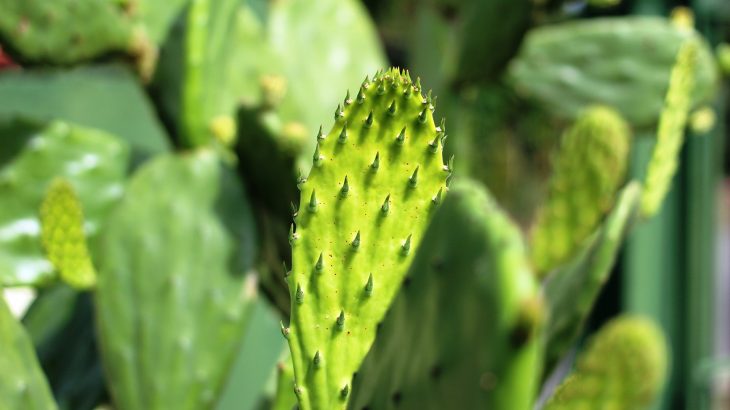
[334,204]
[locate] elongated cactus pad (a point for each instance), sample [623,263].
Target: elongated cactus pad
[62,234]
[94,162]
[463,334]
[572,291]
[670,135]
[622,62]
[22,383]
[588,170]
[377,177]
[624,367]
[173,296]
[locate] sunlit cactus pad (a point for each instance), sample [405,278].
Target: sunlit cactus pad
[376,178]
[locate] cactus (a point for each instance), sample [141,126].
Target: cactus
[377,177]
[284,398]
[62,235]
[172,299]
[22,384]
[94,162]
[71,31]
[588,170]
[104,97]
[464,332]
[624,367]
[624,63]
[670,135]
[573,289]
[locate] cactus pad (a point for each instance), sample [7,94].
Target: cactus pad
[94,162]
[624,367]
[587,172]
[377,177]
[573,289]
[463,334]
[172,296]
[62,235]
[670,135]
[22,383]
[622,62]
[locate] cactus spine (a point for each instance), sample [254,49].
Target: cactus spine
[377,177]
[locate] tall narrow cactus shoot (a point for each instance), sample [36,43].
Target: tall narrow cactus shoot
[377,177]
[670,136]
[589,168]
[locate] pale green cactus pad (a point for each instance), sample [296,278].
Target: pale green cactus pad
[587,172]
[173,295]
[22,383]
[464,332]
[670,135]
[622,62]
[573,289]
[377,177]
[94,162]
[624,367]
[63,237]
[284,397]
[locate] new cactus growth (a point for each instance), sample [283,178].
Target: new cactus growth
[670,134]
[588,170]
[464,332]
[62,223]
[624,367]
[377,177]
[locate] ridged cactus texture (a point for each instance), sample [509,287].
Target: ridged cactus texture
[573,289]
[588,170]
[376,179]
[22,383]
[624,367]
[174,297]
[464,332]
[622,62]
[94,162]
[63,237]
[670,135]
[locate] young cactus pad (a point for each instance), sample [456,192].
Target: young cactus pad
[589,168]
[624,367]
[376,179]
[62,222]
[464,333]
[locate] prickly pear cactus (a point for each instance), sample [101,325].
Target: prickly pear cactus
[284,397]
[624,367]
[70,31]
[588,170]
[376,178]
[463,332]
[573,289]
[93,161]
[62,235]
[670,135]
[22,383]
[173,295]
[622,62]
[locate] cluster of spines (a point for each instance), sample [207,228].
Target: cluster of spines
[341,132]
